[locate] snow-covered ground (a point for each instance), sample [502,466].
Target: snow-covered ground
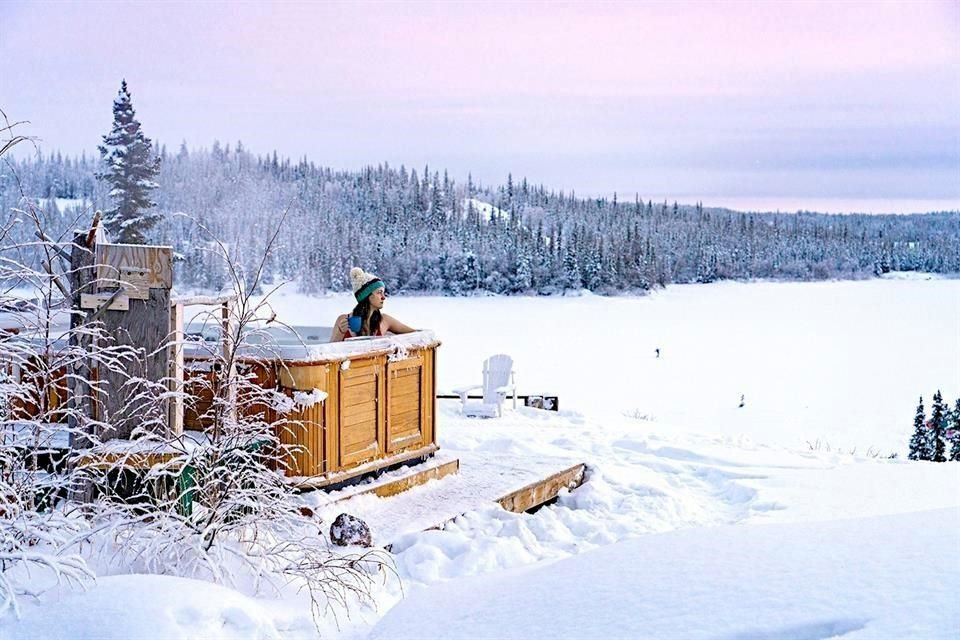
[783,518]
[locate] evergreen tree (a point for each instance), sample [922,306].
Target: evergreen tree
[523,239]
[935,433]
[130,167]
[918,441]
[955,433]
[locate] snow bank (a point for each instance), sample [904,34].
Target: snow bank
[135,607]
[886,577]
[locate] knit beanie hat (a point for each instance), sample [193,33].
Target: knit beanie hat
[364,283]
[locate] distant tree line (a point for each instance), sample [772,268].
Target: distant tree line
[422,231]
[937,438]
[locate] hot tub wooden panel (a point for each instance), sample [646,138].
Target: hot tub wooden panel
[361,419]
[376,411]
[405,411]
[304,440]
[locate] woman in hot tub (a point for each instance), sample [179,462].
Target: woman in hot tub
[370,293]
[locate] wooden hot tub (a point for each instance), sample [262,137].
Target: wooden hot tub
[379,409]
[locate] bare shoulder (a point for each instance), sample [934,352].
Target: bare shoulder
[389,323]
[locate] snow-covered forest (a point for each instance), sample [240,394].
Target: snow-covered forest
[422,231]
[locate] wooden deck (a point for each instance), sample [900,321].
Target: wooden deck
[484,480]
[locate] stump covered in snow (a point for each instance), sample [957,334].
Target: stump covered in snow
[349,530]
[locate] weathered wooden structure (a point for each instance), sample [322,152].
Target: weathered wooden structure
[127,288]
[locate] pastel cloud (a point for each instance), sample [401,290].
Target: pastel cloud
[592,96]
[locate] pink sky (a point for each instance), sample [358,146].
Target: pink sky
[669,97]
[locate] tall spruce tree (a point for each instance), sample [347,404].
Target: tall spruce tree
[955,433]
[938,426]
[130,167]
[918,441]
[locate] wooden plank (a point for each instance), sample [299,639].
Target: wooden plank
[412,362]
[419,477]
[410,415]
[428,401]
[96,300]
[403,438]
[404,402]
[227,323]
[111,460]
[136,282]
[292,458]
[362,380]
[405,412]
[401,441]
[331,437]
[155,263]
[348,474]
[304,377]
[358,395]
[396,375]
[406,422]
[359,434]
[405,386]
[357,456]
[538,493]
[307,436]
[175,408]
[358,414]
[146,328]
[381,407]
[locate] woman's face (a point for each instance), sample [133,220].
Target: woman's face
[377,298]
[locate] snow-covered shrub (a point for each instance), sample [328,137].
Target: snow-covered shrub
[220,507]
[39,356]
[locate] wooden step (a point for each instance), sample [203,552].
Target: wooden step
[516,483]
[536,494]
[419,476]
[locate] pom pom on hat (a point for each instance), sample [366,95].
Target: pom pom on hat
[360,280]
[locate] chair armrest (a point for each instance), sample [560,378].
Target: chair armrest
[463,391]
[506,389]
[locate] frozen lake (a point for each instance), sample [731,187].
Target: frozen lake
[842,363]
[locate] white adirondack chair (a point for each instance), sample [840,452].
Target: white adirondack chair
[497,384]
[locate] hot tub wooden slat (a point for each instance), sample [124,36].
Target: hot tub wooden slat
[360,374]
[355,455]
[397,374]
[407,391]
[358,395]
[398,436]
[402,429]
[399,443]
[305,378]
[407,416]
[358,414]
[359,436]
[404,401]
[306,436]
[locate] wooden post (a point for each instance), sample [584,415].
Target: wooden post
[229,357]
[126,288]
[82,402]
[175,409]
